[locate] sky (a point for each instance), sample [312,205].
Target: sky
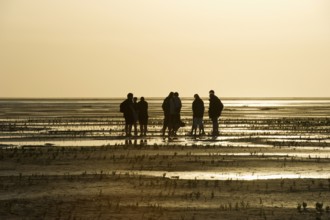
[107,48]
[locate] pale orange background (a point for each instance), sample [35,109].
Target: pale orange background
[105,48]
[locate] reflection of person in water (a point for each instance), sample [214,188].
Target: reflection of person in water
[143,142]
[143,116]
[198,113]
[215,109]
[126,107]
[129,142]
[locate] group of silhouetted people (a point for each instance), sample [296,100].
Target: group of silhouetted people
[215,110]
[135,111]
[172,120]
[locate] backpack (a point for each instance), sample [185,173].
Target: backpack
[221,106]
[122,107]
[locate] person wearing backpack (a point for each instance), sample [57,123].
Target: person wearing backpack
[215,110]
[126,107]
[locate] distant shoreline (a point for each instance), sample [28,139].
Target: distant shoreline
[153,98]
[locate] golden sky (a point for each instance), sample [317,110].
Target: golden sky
[107,48]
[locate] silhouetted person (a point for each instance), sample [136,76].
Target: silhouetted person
[166,109]
[177,123]
[136,115]
[126,107]
[173,117]
[143,116]
[198,113]
[215,109]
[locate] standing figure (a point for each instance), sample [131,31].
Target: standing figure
[126,107]
[215,109]
[177,123]
[143,116]
[136,115]
[198,113]
[166,110]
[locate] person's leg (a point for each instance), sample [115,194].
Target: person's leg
[215,126]
[202,127]
[165,124]
[141,128]
[171,125]
[145,129]
[129,129]
[195,126]
[127,126]
[175,123]
[135,128]
[126,129]
[199,124]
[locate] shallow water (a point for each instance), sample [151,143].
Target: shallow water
[236,175]
[69,122]
[288,128]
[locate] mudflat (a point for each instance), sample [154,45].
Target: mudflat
[68,159]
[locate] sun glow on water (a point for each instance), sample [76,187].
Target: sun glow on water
[235,175]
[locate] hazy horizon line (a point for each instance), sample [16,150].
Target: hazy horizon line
[156,97]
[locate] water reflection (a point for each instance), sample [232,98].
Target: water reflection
[222,141]
[238,175]
[310,155]
[135,142]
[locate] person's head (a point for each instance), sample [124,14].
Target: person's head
[176,94]
[171,94]
[135,99]
[142,98]
[196,96]
[211,93]
[130,96]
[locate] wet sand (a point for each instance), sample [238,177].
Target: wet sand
[68,159]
